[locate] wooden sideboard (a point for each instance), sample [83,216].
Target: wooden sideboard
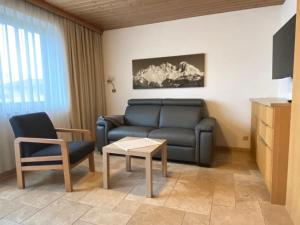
[270,129]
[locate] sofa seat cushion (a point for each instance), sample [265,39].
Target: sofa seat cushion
[175,136]
[131,131]
[77,151]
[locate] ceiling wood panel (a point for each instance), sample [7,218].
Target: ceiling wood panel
[112,14]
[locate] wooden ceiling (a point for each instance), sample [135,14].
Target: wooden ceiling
[112,14]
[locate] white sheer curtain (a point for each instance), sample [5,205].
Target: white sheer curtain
[33,69]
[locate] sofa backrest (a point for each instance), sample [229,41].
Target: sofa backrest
[143,112]
[181,113]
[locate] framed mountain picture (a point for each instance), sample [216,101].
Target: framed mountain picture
[169,72]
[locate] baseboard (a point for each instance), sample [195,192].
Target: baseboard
[235,149]
[7,174]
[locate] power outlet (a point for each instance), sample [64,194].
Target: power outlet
[245,138]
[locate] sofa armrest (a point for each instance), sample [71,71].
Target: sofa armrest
[103,125]
[115,120]
[204,132]
[207,124]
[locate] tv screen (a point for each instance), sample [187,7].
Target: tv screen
[283,50]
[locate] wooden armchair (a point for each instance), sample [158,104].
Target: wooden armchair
[37,147]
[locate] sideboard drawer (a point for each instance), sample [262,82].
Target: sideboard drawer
[268,168]
[266,133]
[269,116]
[261,156]
[269,138]
[266,115]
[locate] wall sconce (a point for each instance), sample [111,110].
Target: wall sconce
[110,81]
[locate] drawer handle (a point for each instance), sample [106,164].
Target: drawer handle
[263,141]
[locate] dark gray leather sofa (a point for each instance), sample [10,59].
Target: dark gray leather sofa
[189,133]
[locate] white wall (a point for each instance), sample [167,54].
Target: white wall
[287,11]
[238,48]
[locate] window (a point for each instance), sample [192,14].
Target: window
[21,66]
[33,71]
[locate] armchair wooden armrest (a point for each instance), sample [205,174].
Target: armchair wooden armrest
[62,143]
[39,140]
[86,133]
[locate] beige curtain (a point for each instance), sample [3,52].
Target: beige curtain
[86,77]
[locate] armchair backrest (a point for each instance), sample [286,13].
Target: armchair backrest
[36,125]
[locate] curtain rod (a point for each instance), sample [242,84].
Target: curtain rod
[53,9]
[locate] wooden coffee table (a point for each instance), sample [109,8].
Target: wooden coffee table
[146,152]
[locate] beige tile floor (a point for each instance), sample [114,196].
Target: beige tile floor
[230,193]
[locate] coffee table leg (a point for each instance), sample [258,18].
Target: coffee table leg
[128,163]
[164,160]
[149,176]
[105,170]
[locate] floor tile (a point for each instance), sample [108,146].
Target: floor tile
[21,214]
[105,198]
[80,222]
[11,192]
[127,207]
[7,222]
[61,212]
[83,186]
[195,219]
[251,187]
[7,207]
[247,203]
[193,199]
[156,215]
[224,195]
[39,197]
[104,216]
[275,214]
[222,215]
[160,194]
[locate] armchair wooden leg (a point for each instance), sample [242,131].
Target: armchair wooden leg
[20,173]
[68,180]
[20,178]
[92,162]
[67,168]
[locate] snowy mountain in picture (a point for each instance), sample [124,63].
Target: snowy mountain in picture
[167,75]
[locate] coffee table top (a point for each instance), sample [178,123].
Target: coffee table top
[144,151]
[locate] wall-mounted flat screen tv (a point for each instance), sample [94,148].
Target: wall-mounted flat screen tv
[283,50]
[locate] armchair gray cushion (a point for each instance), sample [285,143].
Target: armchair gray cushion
[77,151]
[175,136]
